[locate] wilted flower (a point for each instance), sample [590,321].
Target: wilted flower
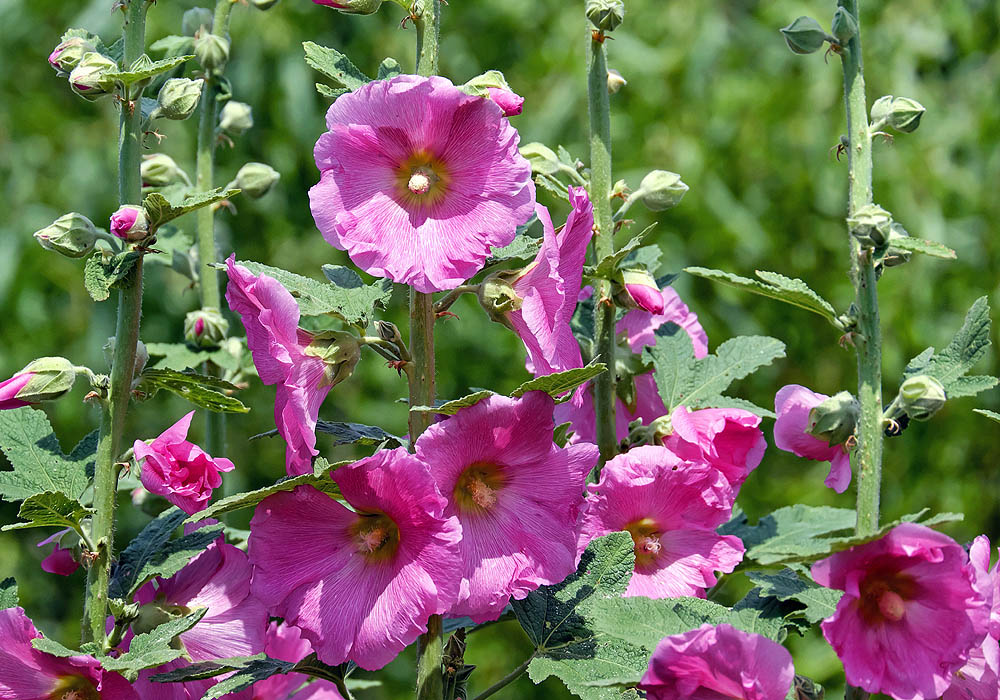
[61,560]
[728,439]
[419,181]
[793,404]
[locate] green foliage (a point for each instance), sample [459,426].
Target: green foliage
[8,594]
[239,501]
[144,68]
[160,210]
[992,415]
[791,291]
[610,264]
[180,356]
[103,272]
[698,383]
[174,43]
[925,247]
[202,390]
[335,66]
[819,602]
[153,648]
[40,466]
[50,509]
[388,68]
[172,246]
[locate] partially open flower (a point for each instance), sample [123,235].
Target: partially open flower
[130,223]
[61,560]
[793,404]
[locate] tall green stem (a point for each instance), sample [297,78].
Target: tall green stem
[868,339]
[123,360]
[430,646]
[600,195]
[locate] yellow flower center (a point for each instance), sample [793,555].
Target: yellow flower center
[646,539]
[478,486]
[376,536]
[75,688]
[422,179]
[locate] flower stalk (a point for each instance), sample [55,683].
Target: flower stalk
[123,361]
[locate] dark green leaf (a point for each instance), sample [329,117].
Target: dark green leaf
[992,415]
[39,464]
[332,93]
[152,648]
[250,499]
[610,264]
[206,669]
[101,274]
[791,291]
[820,603]
[180,356]
[200,389]
[50,509]
[335,66]
[450,408]
[8,594]
[356,300]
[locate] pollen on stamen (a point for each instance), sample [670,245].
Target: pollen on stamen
[891,605]
[372,540]
[420,183]
[482,495]
[649,544]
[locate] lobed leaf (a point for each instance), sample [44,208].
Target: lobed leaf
[103,273]
[967,347]
[925,247]
[786,289]
[144,68]
[160,210]
[334,65]
[610,264]
[250,499]
[153,648]
[820,602]
[559,383]
[450,408]
[332,93]
[50,509]
[180,356]
[38,462]
[200,389]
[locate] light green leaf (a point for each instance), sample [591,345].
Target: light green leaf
[160,210]
[39,464]
[920,245]
[180,356]
[450,408]
[992,415]
[389,68]
[250,499]
[820,603]
[610,264]
[791,291]
[332,93]
[152,648]
[51,646]
[522,248]
[174,43]
[734,402]
[971,385]
[50,509]
[8,594]
[103,272]
[560,382]
[173,246]
[335,66]
[144,69]
[200,389]
[967,347]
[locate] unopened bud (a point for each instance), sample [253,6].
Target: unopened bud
[921,396]
[51,378]
[871,225]
[89,78]
[605,15]
[236,117]
[894,257]
[72,235]
[255,179]
[844,27]
[497,296]
[141,355]
[130,223]
[615,81]
[205,327]
[835,419]
[212,52]
[542,158]
[388,332]
[178,98]
[196,18]
[905,114]
[160,170]
[804,35]
[352,7]
[340,352]
[638,290]
[660,190]
[68,54]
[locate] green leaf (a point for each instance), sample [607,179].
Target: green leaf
[246,676]
[51,646]
[50,509]
[791,291]
[200,389]
[992,415]
[609,265]
[39,464]
[175,44]
[8,594]
[173,246]
[389,68]
[180,356]
[561,382]
[335,66]
[143,69]
[152,648]
[250,499]
[698,383]
[522,248]
[152,553]
[967,347]
[102,273]
[332,93]
[920,245]
[552,186]
[160,210]
[450,408]
[351,434]
[971,385]
[820,603]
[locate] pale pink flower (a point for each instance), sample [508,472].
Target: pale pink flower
[60,561]
[360,584]
[671,508]
[792,403]
[911,613]
[549,287]
[179,470]
[509,101]
[640,325]
[9,389]
[419,181]
[516,494]
[718,662]
[29,674]
[286,643]
[726,438]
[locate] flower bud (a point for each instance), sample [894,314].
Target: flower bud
[615,81]
[263,4]
[835,419]
[178,98]
[497,296]
[542,158]
[493,85]
[130,223]
[804,35]
[921,397]
[896,256]
[905,114]
[236,117]
[196,18]
[352,7]
[88,78]
[340,352]
[72,235]
[605,15]
[160,170]
[660,190]
[205,327]
[51,378]
[844,27]
[509,101]
[388,332]
[68,54]
[255,179]
[212,52]
[639,290]
[871,225]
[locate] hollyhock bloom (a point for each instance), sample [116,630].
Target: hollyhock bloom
[60,561]
[9,389]
[304,367]
[726,438]
[549,287]
[217,579]
[718,662]
[509,101]
[419,181]
[671,508]
[360,584]
[130,223]
[792,403]
[286,643]
[910,615]
[27,673]
[179,470]
[516,494]
[640,325]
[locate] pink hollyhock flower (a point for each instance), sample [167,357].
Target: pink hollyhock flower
[60,561]
[9,389]
[27,673]
[179,470]
[419,181]
[726,438]
[130,223]
[910,615]
[792,403]
[718,662]
[360,584]
[509,101]
[286,643]
[579,410]
[217,579]
[671,508]
[516,494]
[640,325]
[549,287]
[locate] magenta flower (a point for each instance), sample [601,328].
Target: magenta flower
[671,508]
[726,438]
[9,389]
[360,584]
[179,470]
[640,325]
[60,561]
[792,403]
[549,287]
[910,615]
[286,643]
[419,181]
[29,674]
[509,101]
[516,494]
[718,662]
[130,223]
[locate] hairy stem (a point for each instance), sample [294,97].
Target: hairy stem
[600,192]
[123,361]
[506,680]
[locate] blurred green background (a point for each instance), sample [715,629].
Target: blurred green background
[713,94]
